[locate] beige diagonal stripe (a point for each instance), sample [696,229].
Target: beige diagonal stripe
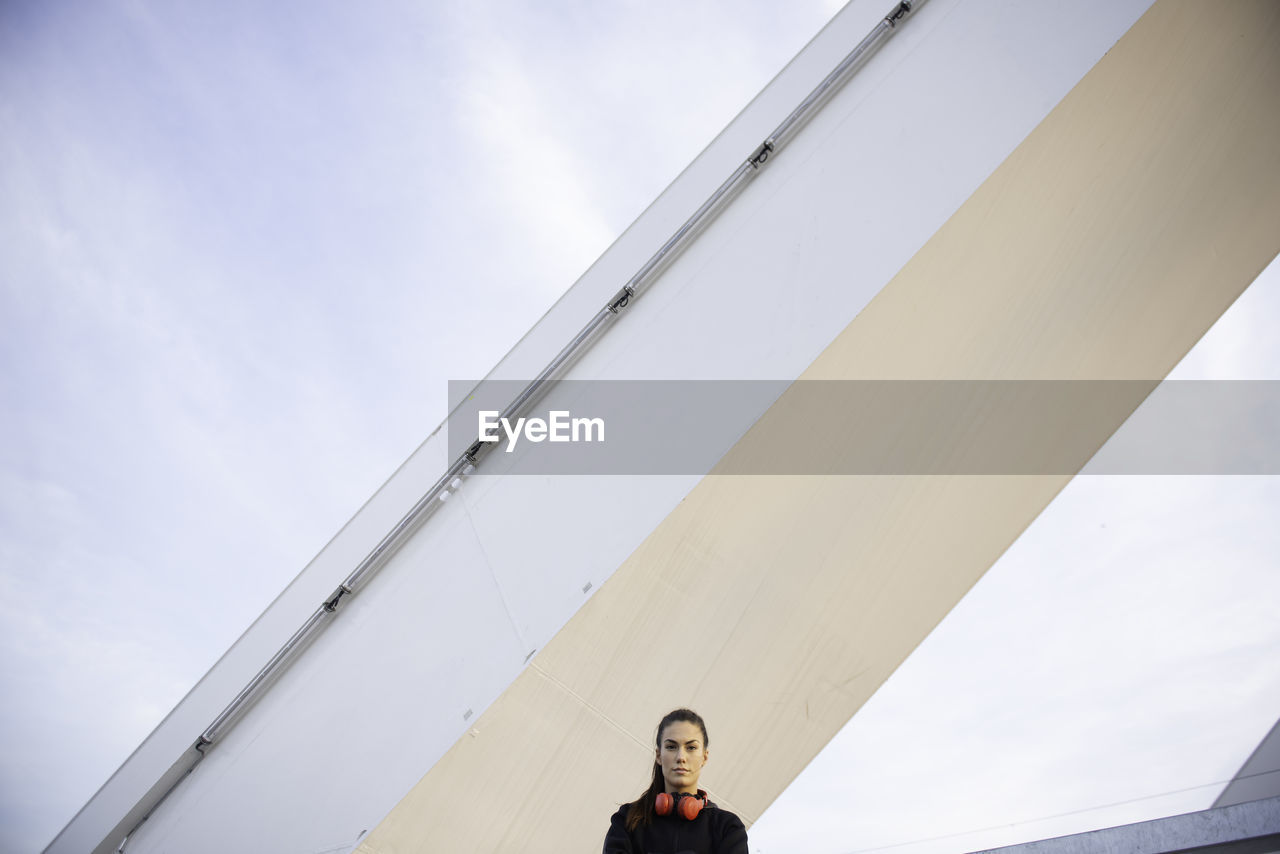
[1103,247]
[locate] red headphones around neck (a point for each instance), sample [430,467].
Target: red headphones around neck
[687,805]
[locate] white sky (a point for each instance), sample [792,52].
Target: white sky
[244,248]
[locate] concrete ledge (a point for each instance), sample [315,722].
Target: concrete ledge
[1250,828]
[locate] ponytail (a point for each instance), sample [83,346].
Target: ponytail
[642,809]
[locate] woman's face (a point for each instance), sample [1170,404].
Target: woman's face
[682,753]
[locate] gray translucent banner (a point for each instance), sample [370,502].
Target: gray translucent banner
[854,427]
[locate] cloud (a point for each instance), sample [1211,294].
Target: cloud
[577,126]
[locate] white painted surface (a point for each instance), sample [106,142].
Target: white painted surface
[449,622]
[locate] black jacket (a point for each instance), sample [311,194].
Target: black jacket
[714,831]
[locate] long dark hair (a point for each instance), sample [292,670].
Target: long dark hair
[641,811]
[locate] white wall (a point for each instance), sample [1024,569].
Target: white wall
[450,621]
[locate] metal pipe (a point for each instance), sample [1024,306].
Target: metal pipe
[845,69]
[536,388]
[566,357]
[694,224]
[169,791]
[419,513]
[265,676]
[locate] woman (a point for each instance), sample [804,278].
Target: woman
[674,816]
